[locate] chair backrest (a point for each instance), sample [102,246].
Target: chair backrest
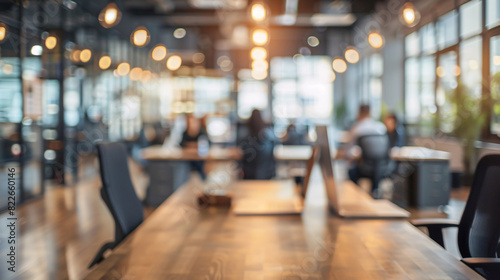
[479,228]
[258,161]
[375,153]
[117,190]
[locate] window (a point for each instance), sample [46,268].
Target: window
[447,72]
[411,89]
[470,65]
[427,92]
[447,30]
[252,94]
[495,84]
[428,37]
[412,44]
[471,19]
[492,13]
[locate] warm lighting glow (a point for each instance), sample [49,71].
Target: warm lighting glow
[259,74]
[260,64]
[409,15]
[440,71]
[146,76]
[85,55]
[339,65]
[36,50]
[375,40]
[198,58]
[258,53]
[351,55]
[260,37]
[75,56]
[105,62]
[258,12]
[159,52]
[174,62]
[313,41]
[110,15]
[123,68]
[135,74]
[457,70]
[140,37]
[3,31]
[51,42]
[496,60]
[180,33]
[7,69]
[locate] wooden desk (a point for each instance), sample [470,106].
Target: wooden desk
[159,153]
[180,241]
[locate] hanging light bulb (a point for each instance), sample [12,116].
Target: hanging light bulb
[3,31]
[105,62]
[351,55]
[258,53]
[123,69]
[85,55]
[339,65]
[375,40]
[51,42]
[140,37]
[159,52]
[260,37]
[110,15]
[258,12]
[135,74]
[409,15]
[174,62]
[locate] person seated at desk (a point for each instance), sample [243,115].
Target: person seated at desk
[258,161]
[293,137]
[365,125]
[193,138]
[395,131]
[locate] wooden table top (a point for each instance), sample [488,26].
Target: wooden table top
[159,153]
[181,241]
[407,153]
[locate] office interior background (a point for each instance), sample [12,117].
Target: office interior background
[75,73]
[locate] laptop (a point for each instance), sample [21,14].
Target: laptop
[353,202]
[275,205]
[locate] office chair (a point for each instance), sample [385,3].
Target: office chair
[118,193]
[479,227]
[375,162]
[258,161]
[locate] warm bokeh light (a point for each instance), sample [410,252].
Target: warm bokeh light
[105,62]
[3,31]
[332,77]
[75,56]
[351,55]
[260,64]
[259,74]
[457,70]
[258,53]
[440,71]
[123,68]
[313,41]
[146,76]
[36,50]
[51,42]
[159,52]
[180,33]
[135,74]
[258,12]
[339,65]
[7,69]
[140,37]
[85,55]
[375,40]
[174,62]
[409,15]
[198,58]
[110,15]
[260,37]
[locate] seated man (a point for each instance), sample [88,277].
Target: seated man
[364,126]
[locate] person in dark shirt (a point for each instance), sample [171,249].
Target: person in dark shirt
[395,131]
[190,139]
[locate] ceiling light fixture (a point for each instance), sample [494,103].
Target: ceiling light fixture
[110,15]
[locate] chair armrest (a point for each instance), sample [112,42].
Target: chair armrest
[434,227]
[488,267]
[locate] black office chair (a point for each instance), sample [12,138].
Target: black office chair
[118,193]
[479,227]
[375,162]
[258,162]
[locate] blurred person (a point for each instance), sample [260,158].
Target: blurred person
[395,130]
[258,161]
[194,137]
[292,137]
[364,125]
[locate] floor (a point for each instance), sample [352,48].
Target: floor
[60,233]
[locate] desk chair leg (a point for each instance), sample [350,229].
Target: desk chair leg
[100,255]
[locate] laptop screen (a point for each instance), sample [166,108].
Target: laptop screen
[325,162]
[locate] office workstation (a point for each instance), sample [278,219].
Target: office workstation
[249,139]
